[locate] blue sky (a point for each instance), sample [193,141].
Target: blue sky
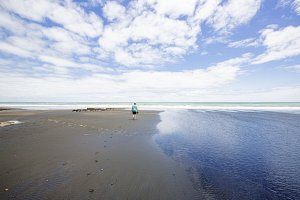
[150,50]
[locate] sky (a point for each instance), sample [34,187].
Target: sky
[150,50]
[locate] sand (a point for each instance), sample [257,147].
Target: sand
[87,155]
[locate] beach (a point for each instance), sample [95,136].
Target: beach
[59,154]
[170,154]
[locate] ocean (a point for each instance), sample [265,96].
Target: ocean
[278,106]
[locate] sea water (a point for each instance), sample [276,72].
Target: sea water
[278,106]
[235,155]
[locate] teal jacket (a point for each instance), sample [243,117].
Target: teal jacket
[134,108]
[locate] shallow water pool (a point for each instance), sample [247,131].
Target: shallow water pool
[235,155]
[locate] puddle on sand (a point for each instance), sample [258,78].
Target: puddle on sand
[8,123]
[236,155]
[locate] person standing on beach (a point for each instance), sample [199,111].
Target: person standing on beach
[134,110]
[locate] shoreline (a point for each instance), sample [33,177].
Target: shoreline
[156,106]
[58,154]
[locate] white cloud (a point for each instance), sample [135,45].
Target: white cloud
[57,61]
[174,8]
[166,30]
[64,63]
[205,10]
[295,68]
[233,13]
[216,39]
[10,22]
[120,89]
[66,42]
[113,10]
[273,94]
[30,44]
[149,37]
[31,40]
[203,53]
[280,44]
[249,42]
[144,33]
[127,83]
[68,14]
[8,48]
[295,4]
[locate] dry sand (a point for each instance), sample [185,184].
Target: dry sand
[87,155]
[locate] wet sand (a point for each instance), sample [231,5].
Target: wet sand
[87,155]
